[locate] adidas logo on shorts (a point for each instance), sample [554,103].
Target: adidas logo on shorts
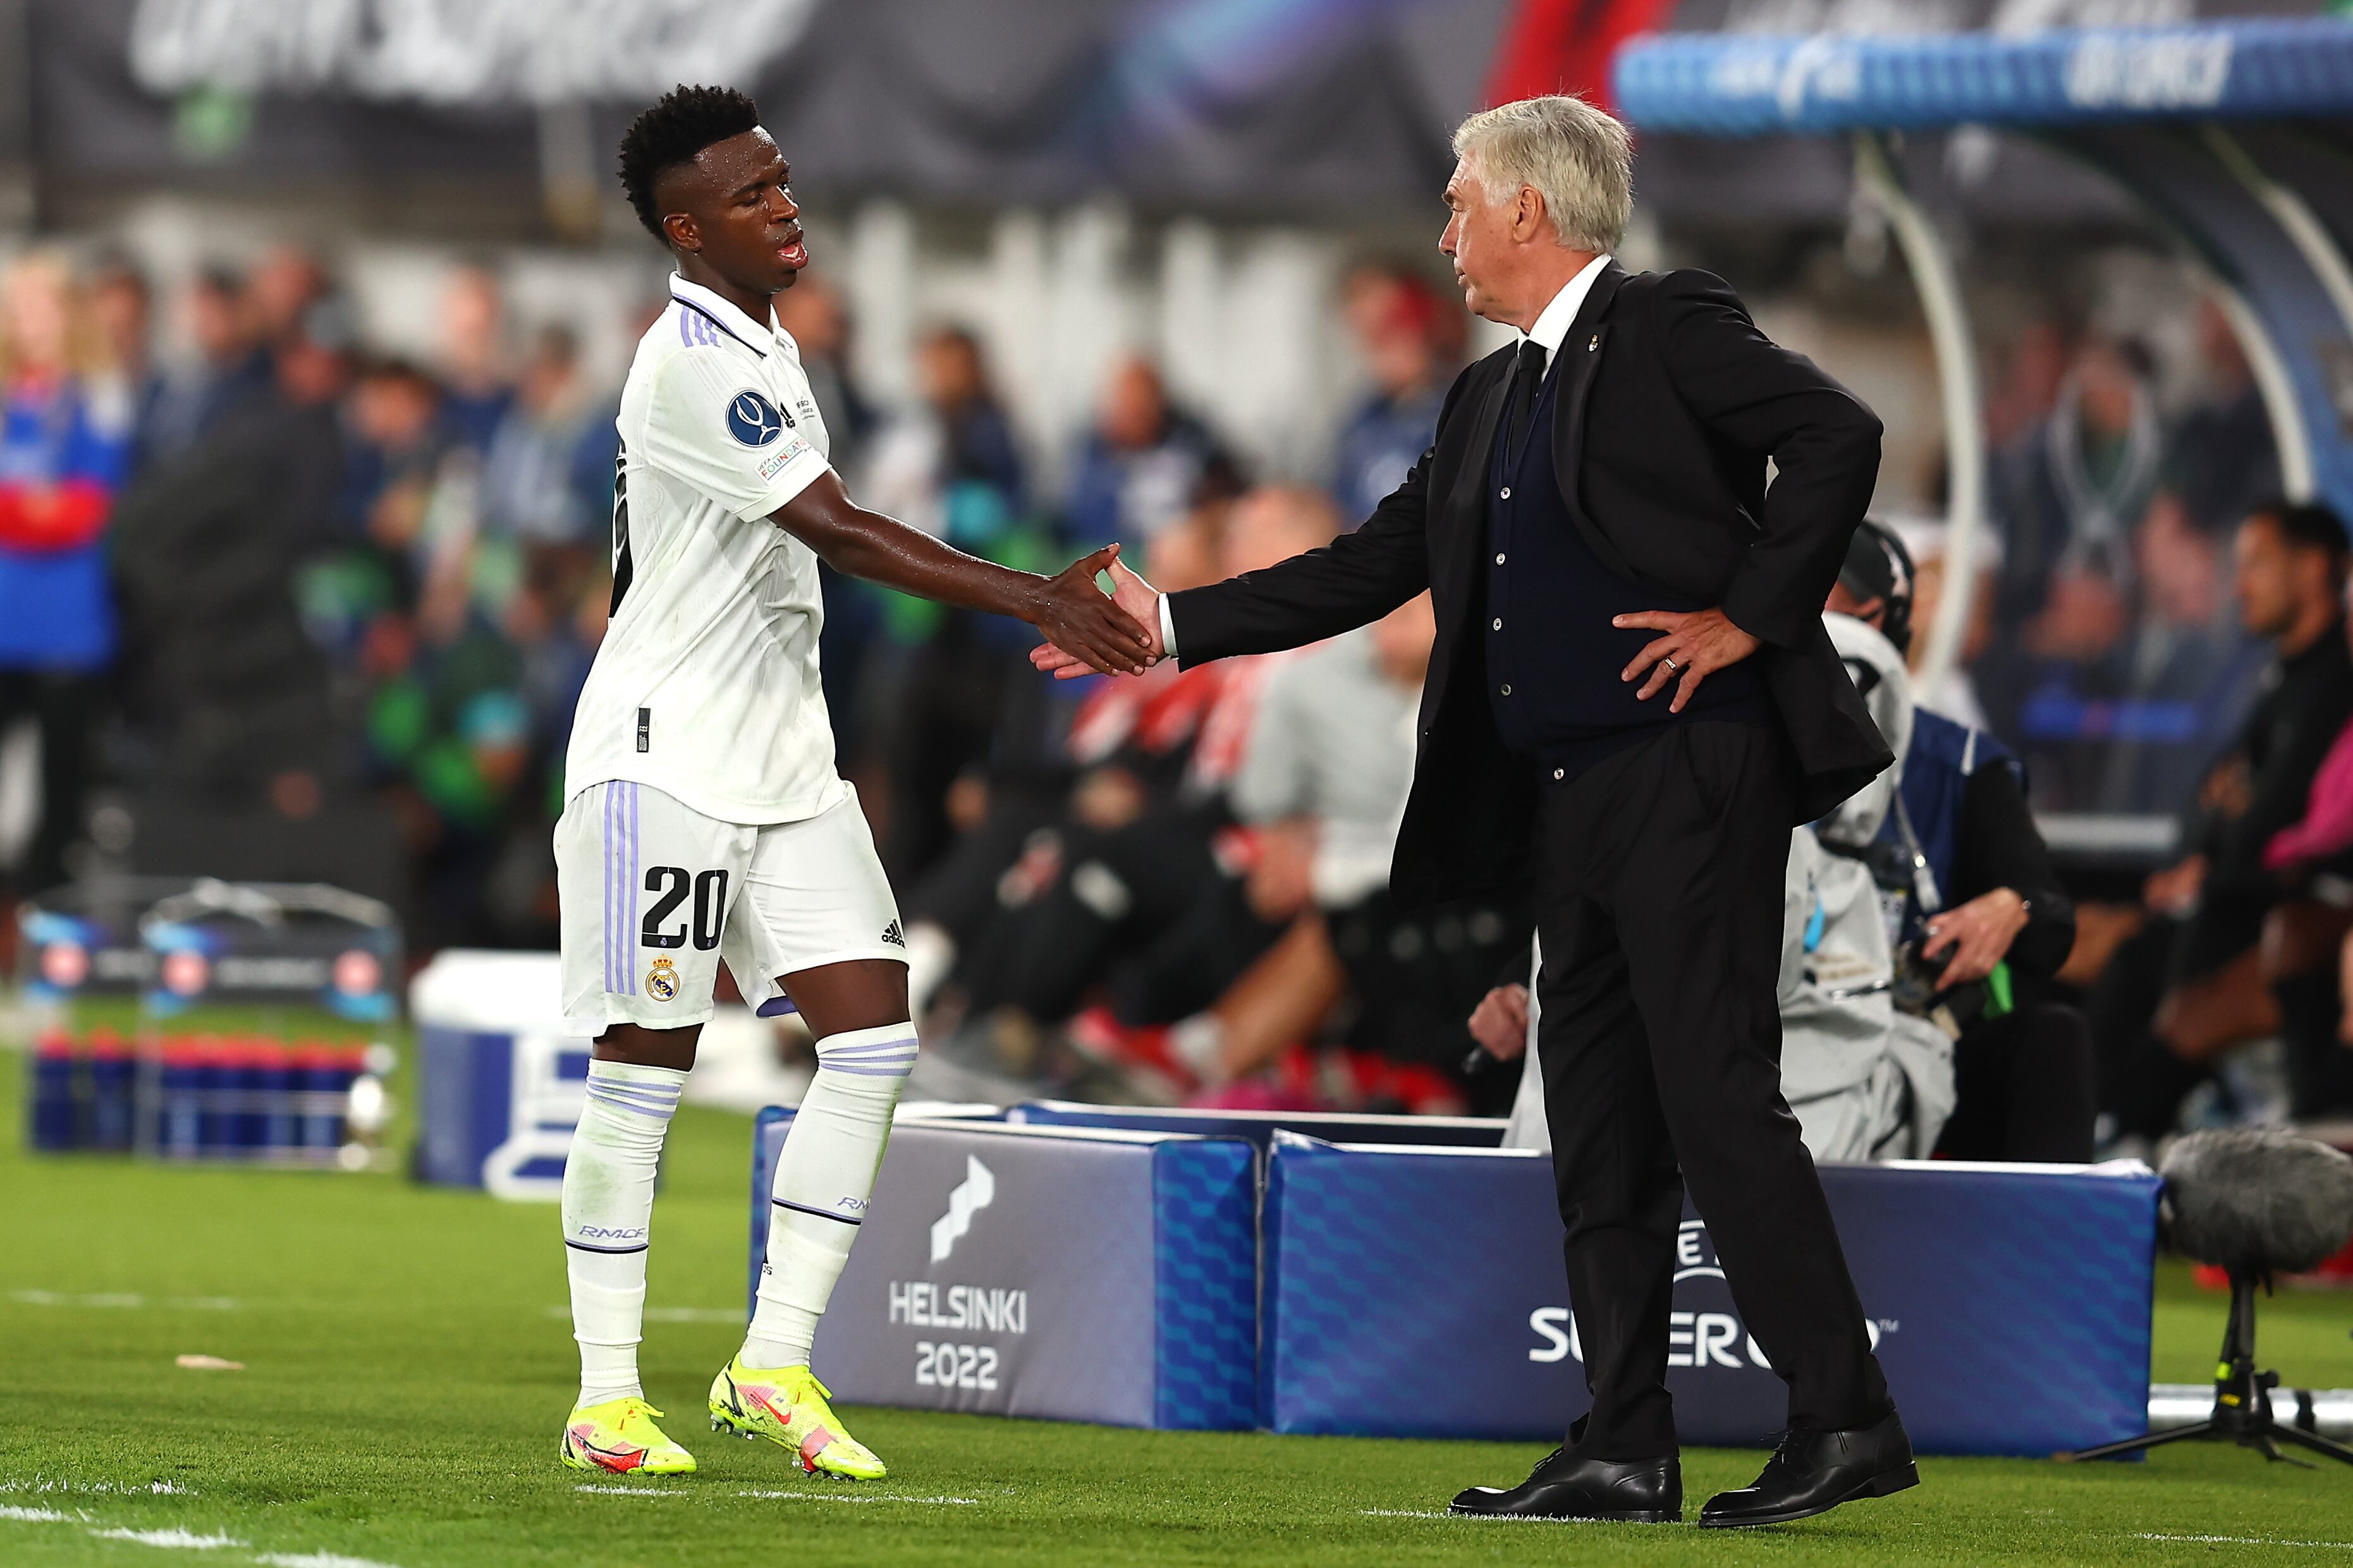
[893,935]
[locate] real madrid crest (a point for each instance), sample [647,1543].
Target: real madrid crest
[661,980]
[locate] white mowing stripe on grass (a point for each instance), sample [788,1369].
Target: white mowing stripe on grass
[734,1315]
[120,1299]
[2244,1540]
[316,1559]
[175,1538]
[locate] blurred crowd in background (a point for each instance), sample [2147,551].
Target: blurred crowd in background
[284,598]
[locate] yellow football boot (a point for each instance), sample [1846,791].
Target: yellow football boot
[620,1436]
[788,1407]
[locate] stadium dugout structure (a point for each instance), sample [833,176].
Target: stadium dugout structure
[2238,136]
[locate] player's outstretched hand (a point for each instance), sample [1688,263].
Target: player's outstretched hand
[1132,595]
[1086,627]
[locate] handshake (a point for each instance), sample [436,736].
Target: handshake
[1086,632]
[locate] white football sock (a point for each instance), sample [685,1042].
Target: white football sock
[608,1205]
[824,1177]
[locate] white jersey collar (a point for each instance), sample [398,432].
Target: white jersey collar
[724,316]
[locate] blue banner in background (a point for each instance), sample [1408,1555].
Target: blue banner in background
[1763,84]
[2009,1306]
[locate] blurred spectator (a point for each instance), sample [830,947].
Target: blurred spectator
[547,474]
[224,680]
[813,312]
[2067,496]
[817,319]
[1411,340]
[472,362]
[949,688]
[123,328]
[280,290]
[1137,890]
[1145,463]
[2033,372]
[949,467]
[63,455]
[1324,780]
[2307,944]
[2189,984]
[2220,459]
[229,366]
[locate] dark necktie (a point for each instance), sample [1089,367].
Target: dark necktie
[1528,379]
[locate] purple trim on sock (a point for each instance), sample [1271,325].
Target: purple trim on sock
[879,1047]
[899,1071]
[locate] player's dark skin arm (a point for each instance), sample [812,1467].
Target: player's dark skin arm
[1069,608]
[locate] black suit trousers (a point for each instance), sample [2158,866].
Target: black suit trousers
[1659,894]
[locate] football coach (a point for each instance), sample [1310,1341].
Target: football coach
[1630,702]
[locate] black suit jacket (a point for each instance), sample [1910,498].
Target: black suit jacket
[1670,403]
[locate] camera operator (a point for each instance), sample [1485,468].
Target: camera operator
[1992,921]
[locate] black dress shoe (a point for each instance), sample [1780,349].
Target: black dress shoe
[1634,1491]
[1813,1472]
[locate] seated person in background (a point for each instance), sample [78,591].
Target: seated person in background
[1986,902]
[2189,983]
[2307,946]
[1325,780]
[1107,895]
[1128,741]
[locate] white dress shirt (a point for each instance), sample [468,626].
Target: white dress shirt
[1552,324]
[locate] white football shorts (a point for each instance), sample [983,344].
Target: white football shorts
[654,895]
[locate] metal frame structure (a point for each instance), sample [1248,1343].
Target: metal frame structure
[2238,136]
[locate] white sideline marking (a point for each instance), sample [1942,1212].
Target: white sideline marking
[795,1496]
[101,1489]
[316,1559]
[33,1515]
[879,1497]
[182,1540]
[2244,1540]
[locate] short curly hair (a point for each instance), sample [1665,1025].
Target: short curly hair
[683,123]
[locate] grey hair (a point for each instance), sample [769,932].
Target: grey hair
[1579,159]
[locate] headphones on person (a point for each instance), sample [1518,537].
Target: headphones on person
[1878,566]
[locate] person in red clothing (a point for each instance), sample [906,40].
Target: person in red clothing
[64,449]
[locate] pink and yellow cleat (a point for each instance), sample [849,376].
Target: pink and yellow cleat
[788,1407]
[619,1436]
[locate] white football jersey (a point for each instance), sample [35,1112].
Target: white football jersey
[706,685]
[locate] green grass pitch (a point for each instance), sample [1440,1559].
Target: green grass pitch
[409,1363]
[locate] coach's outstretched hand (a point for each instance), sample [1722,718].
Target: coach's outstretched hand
[1087,628]
[1138,599]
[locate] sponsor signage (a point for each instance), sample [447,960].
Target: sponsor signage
[1075,1275]
[2009,1305]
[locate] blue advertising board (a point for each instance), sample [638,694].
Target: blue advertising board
[1074,1274]
[2010,1305]
[500,1083]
